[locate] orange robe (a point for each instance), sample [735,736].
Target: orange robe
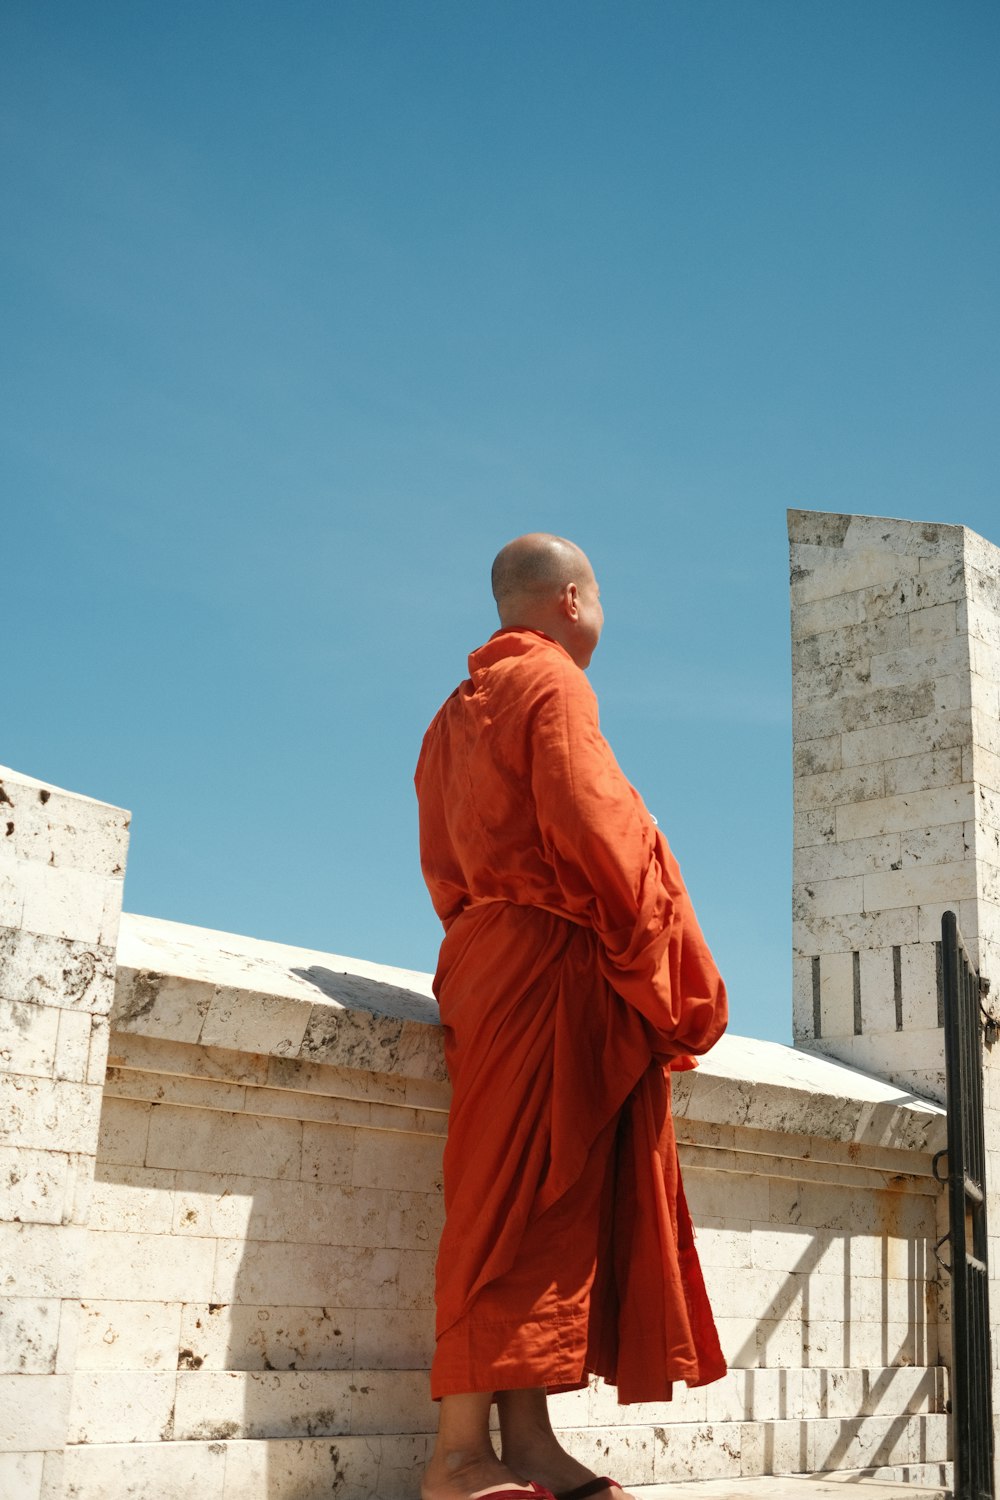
[572,977]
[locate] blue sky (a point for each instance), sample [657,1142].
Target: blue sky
[307,308]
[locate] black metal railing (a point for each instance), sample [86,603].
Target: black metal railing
[962,994]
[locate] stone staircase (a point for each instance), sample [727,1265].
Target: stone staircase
[365,1435]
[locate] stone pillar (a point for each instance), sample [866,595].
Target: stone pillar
[896,744]
[62,863]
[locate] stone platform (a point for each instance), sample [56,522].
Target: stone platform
[792,1487]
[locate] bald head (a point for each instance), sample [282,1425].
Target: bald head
[544,582]
[534,565]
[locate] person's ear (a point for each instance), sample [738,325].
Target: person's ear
[571,601]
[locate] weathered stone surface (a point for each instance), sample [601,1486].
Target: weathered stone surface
[52,971]
[170,1471]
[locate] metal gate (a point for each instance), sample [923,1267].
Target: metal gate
[971,1396]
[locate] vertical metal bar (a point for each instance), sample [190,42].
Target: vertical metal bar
[972,1405]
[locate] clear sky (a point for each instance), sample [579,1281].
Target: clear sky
[308,307]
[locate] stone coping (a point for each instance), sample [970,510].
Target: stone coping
[217,989]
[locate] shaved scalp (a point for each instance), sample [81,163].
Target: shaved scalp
[534,567]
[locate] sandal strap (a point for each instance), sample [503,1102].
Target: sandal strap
[592,1487]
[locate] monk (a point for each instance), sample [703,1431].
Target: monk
[573,978]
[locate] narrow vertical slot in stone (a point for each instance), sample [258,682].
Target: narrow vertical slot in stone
[817,1014]
[939,969]
[856,957]
[897,985]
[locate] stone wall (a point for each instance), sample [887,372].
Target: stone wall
[896,687]
[257,1295]
[62,861]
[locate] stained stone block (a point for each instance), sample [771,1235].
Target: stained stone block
[985,661]
[70,904]
[217,1204]
[869,819]
[199,1140]
[919,986]
[940,730]
[29,1335]
[416,1279]
[137,1199]
[826,898]
[936,623]
[854,857]
[21,1475]
[940,845]
[981,622]
[11,898]
[682,1451]
[306,1468]
[823,615]
[917,885]
[817,528]
[210,1093]
[161,1004]
[819,827]
[28,1036]
[72,1058]
[124,1130]
[849,644]
[946,661]
[986,767]
[277,1274]
[215,1405]
[388,1338]
[170,1471]
[327,1153]
[917,773]
[258,1023]
[331,1111]
[845,573]
[45,1115]
[33,1412]
[55,971]
[824,684]
[129,1336]
[383,1160]
[813,757]
[33,1185]
[879,706]
[147,1268]
[876,986]
[238,1337]
[836,994]
[830,789]
[128,1406]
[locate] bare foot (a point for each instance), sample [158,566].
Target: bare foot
[549,1464]
[466,1481]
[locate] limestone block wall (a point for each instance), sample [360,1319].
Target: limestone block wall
[256,1302]
[62,860]
[896,686]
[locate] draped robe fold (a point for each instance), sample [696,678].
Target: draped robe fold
[573,978]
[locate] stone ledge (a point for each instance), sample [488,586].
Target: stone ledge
[221,993]
[215,989]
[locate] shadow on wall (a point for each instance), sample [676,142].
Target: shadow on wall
[355,992]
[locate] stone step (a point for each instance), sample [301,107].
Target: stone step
[389,1468]
[793,1487]
[799,1420]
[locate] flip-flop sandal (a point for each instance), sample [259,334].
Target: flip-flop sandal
[515,1492]
[592,1487]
